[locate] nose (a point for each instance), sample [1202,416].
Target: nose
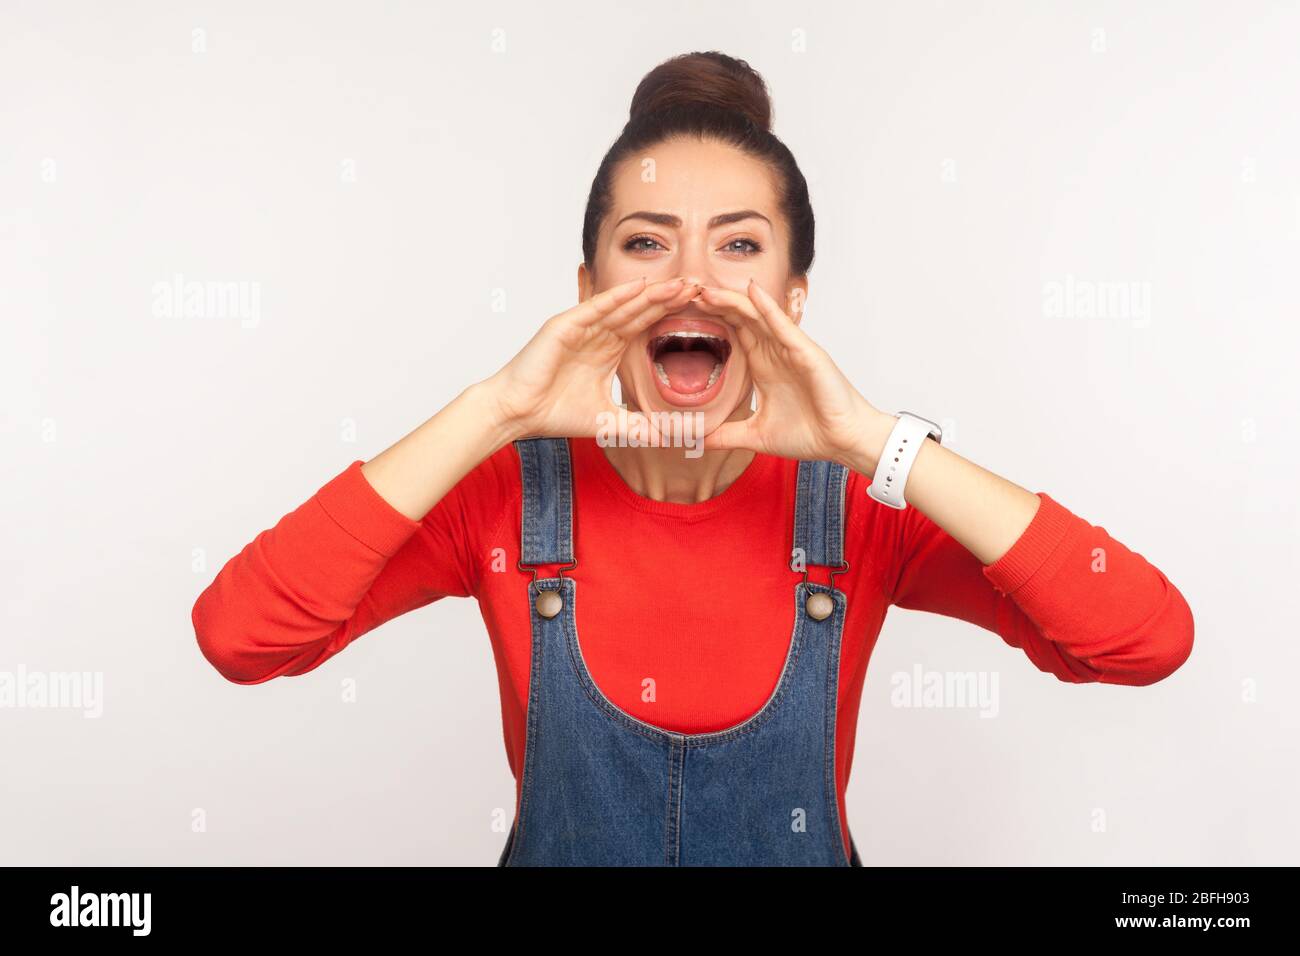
[693,261]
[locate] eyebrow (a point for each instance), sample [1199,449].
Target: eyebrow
[667,219]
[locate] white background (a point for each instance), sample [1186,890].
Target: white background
[961,158]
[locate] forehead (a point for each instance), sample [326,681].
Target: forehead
[692,179]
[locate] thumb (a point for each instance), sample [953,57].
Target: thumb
[732,435]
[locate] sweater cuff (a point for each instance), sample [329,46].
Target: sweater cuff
[362,512]
[1050,526]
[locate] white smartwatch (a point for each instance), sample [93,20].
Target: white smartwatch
[896,459]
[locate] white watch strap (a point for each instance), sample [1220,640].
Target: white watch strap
[896,459]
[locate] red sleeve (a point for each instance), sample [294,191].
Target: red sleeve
[1079,603]
[339,565]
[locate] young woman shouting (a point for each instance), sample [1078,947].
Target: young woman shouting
[682,639]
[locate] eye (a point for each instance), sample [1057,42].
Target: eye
[754,247]
[631,244]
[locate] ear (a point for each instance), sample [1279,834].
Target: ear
[584,282]
[796,294]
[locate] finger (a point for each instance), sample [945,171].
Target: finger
[760,308]
[736,309]
[629,305]
[602,303]
[631,319]
[782,326]
[625,321]
[729,435]
[737,312]
[796,345]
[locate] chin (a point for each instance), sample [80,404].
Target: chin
[703,417]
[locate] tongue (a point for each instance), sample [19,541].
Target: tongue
[688,371]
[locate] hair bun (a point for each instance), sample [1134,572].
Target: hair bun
[710,78]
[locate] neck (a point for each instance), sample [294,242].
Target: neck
[667,474]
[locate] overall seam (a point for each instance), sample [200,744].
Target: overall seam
[528,531]
[564,503]
[673,811]
[831,718]
[531,726]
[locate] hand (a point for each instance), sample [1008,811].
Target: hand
[806,407]
[560,382]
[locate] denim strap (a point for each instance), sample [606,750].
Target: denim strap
[819,512]
[547,533]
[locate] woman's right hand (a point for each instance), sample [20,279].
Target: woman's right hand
[560,382]
[556,387]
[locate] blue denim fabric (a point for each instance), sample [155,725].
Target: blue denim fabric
[603,788]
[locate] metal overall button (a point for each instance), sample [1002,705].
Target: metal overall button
[549,603]
[820,605]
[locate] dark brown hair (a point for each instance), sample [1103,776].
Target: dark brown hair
[713,96]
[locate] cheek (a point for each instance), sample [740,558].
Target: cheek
[633,362]
[737,367]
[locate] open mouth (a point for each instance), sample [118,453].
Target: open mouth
[688,358]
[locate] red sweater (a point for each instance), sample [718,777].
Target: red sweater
[346,561]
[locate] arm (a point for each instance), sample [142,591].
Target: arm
[340,565]
[983,511]
[397,532]
[973,545]
[1080,604]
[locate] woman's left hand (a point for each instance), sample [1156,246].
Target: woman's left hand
[806,407]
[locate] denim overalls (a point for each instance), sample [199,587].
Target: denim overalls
[602,788]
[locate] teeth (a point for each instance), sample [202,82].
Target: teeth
[685,334]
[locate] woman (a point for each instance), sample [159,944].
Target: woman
[697,705]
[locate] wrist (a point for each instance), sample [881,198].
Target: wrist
[498,425]
[876,426]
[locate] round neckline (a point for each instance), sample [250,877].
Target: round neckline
[746,483]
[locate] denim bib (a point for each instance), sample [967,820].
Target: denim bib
[603,788]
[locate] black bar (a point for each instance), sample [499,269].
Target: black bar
[328,905]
